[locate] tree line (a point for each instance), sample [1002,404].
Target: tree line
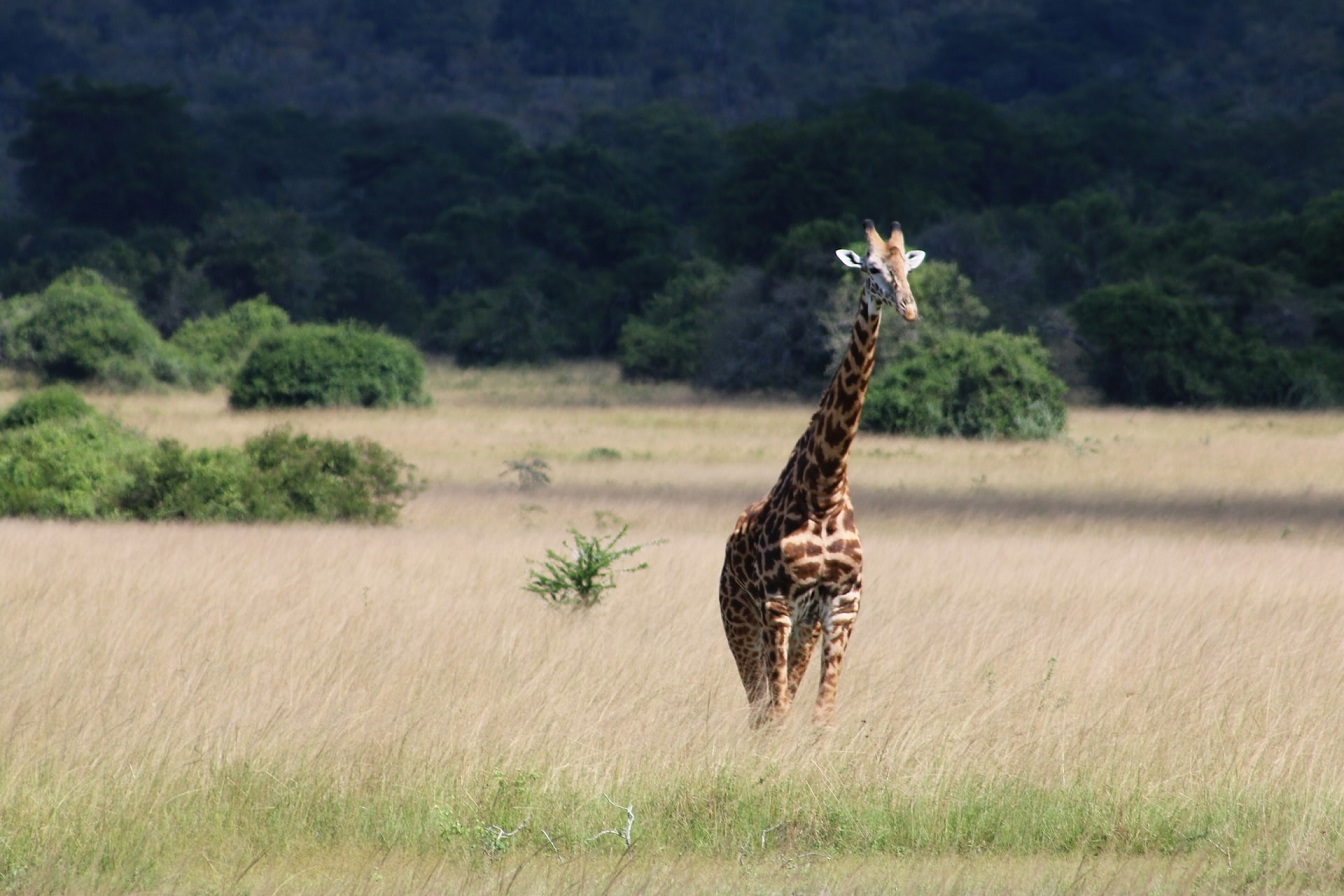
[1162,258]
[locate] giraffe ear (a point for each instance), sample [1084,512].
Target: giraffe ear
[849,258]
[913,259]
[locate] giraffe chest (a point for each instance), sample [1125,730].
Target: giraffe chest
[821,556]
[801,556]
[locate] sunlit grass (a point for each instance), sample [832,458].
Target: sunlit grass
[1106,663]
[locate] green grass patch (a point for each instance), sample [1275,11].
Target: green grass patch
[125,827]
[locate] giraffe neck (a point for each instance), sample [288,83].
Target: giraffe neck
[820,462]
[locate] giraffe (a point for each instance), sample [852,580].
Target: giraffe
[793,567]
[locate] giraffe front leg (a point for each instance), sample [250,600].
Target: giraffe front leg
[778,626]
[742,626]
[836,626]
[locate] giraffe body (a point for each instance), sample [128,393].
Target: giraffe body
[793,567]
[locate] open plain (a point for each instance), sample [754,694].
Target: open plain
[1112,662]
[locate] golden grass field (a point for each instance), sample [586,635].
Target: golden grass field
[1113,662]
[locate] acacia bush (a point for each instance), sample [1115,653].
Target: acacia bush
[60,458]
[953,383]
[322,365]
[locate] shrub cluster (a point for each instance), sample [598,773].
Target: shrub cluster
[319,365]
[954,383]
[60,458]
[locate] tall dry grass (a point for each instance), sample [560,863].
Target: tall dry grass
[1108,662]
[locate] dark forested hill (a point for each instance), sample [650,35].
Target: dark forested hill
[522,179]
[541,63]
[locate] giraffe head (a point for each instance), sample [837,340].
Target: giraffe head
[886,265]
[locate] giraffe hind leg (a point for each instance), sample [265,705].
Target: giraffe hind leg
[801,642]
[844,610]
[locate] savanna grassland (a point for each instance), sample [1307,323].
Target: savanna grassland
[1113,662]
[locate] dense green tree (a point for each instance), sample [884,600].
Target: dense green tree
[111,156]
[670,154]
[249,248]
[666,339]
[363,282]
[1323,240]
[565,37]
[29,50]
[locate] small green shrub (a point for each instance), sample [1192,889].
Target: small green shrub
[58,402]
[952,383]
[81,327]
[580,576]
[221,343]
[320,365]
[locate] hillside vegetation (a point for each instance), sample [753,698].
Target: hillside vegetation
[663,183]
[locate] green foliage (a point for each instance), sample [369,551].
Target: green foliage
[946,297]
[1157,344]
[321,365]
[59,458]
[83,328]
[766,334]
[364,283]
[952,383]
[248,248]
[222,342]
[580,576]
[276,477]
[54,403]
[555,234]
[111,156]
[73,466]
[666,339]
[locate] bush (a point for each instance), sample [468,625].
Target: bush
[326,479]
[578,577]
[60,458]
[221,343]
[81,327]
[953,383]
[763,335]
[276,477]
[320,365]
[73,467]
[59,402]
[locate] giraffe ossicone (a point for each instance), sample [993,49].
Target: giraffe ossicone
[793,567]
